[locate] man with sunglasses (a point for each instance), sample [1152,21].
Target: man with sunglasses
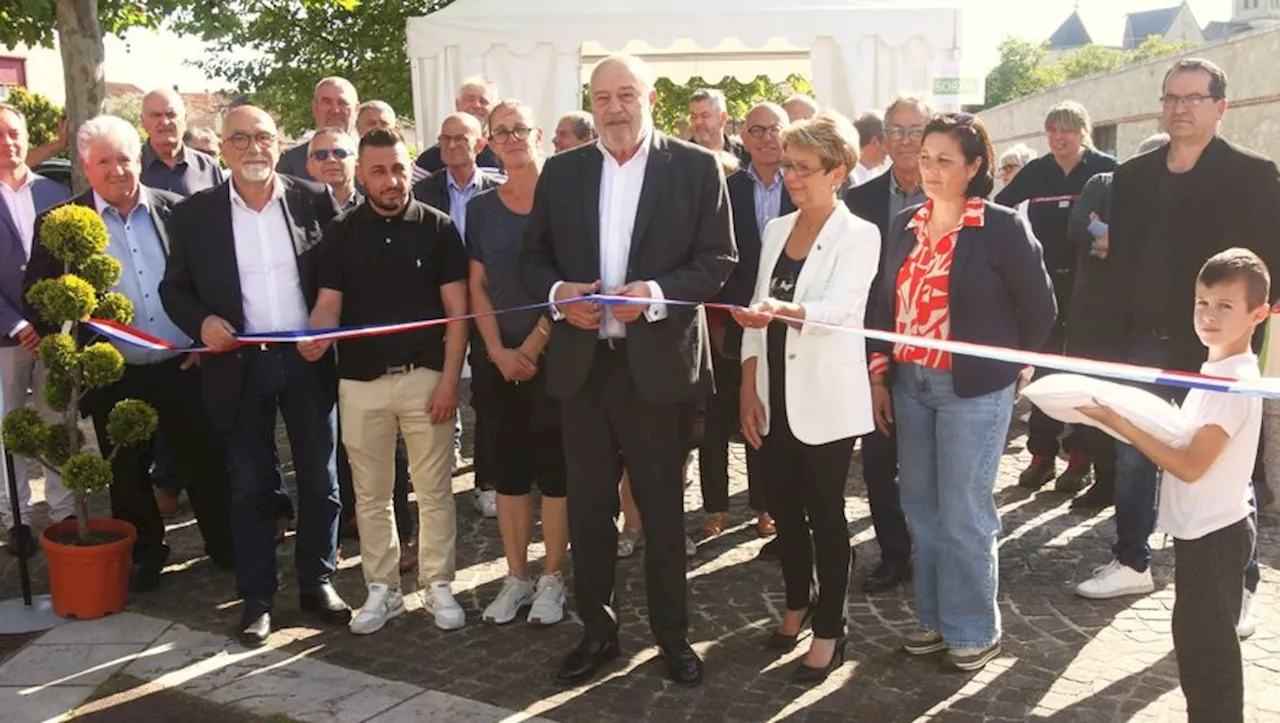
[331,160]
[879,201]
[245,259]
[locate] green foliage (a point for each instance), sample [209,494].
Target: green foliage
[101,271]
[115,306]
[85,472]
[41,113]
[24,432]
[57,447]
[1024,67]
[297,46]
[73,233]
[66,298]
[131,422]
[673,100]
[101,365]
[57,392]
[58,353]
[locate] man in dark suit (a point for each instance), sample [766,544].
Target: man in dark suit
[757,196]
[476,96]
[333,105]
[245,259]
[644,216]
[879,201]
[23,194]
[1171,210]
[136,218]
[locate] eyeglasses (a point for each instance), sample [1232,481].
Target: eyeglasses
[339,154]
[1190,100]
[502,135]
[772,131]
[241,141]
[799,169]
[897,133]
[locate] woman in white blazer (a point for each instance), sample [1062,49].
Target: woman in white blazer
[805,393]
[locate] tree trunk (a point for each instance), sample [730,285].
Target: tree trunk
[80,41]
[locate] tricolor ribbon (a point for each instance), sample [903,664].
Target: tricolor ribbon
[1269,388]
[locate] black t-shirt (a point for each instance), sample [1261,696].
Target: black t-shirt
[782,286]
[390,269]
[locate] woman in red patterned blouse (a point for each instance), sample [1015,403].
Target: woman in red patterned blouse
[955,268]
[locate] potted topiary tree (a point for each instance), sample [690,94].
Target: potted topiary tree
[89,559]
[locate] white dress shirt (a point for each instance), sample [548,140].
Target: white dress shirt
[620,186]
[861,174]
[22,207]
[268,266]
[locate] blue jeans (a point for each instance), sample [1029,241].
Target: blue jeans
[305,396]
[948,454]
[1137,478]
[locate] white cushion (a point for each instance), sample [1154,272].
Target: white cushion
[1060,395]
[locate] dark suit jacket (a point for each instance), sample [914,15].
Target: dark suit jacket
[44,266]
[683,240]
[431,161]
[45,193]
[1000,294]
[1091,328]
[434,189]
[293,162]
[1160,238]
[203,277]
[870,202]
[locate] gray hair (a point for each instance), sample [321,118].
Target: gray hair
[200,133]
[1152,142]
[483,82]
[112,128]
[466,119]
[171,95]
[710,95]
[338,134]
[801,98]
[337,80]
[380,105]
[584,126]
[772,108]
[639,68]
[908,100]
[7,108]
[1020,154]
[870,127]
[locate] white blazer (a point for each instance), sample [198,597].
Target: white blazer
[828,385]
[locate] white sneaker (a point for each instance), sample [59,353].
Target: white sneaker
[516,594]
[1248,624]
[690,547]
[548,604]
[438,601]
[381,605]
[486,503]
[1116,579]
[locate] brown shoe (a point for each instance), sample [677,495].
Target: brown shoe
[408,557]
[765,525]
[168,503]
[715,523]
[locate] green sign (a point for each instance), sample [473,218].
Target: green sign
[955,86]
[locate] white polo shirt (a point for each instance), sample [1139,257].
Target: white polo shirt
[1221,498]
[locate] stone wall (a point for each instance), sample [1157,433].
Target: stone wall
[1128,99]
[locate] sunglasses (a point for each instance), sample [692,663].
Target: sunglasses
[339,154]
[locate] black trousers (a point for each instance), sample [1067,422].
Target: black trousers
[606,424]
[486,400]
[806,498]
[1206,607]
[713,451]
[197,457]
[528,433]
[1043,431]
[880,472]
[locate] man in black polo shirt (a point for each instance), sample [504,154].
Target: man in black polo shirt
[393,259]
[1050,186]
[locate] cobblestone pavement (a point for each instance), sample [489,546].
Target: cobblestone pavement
[1064,659]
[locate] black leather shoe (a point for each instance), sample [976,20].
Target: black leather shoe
[1098,497]
[21,544]
[145,575]
[887,575]
[254,628]
[585,661]
[814,676]
[771,550]
[683,665]
[327,605]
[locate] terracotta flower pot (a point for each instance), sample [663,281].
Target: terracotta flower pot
[91,581]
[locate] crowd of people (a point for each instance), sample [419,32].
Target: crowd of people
[803,221]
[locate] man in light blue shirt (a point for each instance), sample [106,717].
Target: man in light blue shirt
[449,189]
[135,216]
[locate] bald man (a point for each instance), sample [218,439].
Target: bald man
[244,259]
[333,105]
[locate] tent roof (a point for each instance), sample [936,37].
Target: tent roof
[476,25]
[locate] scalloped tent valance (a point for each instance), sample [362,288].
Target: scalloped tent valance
[858,53]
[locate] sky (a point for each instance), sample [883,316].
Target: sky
[149,59]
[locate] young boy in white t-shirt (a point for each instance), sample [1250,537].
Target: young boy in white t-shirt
[1205,498]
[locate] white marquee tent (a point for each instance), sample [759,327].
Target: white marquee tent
[858,53]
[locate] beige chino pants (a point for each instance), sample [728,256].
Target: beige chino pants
[371,413]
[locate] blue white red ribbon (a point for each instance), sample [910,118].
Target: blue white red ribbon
[1269,388]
